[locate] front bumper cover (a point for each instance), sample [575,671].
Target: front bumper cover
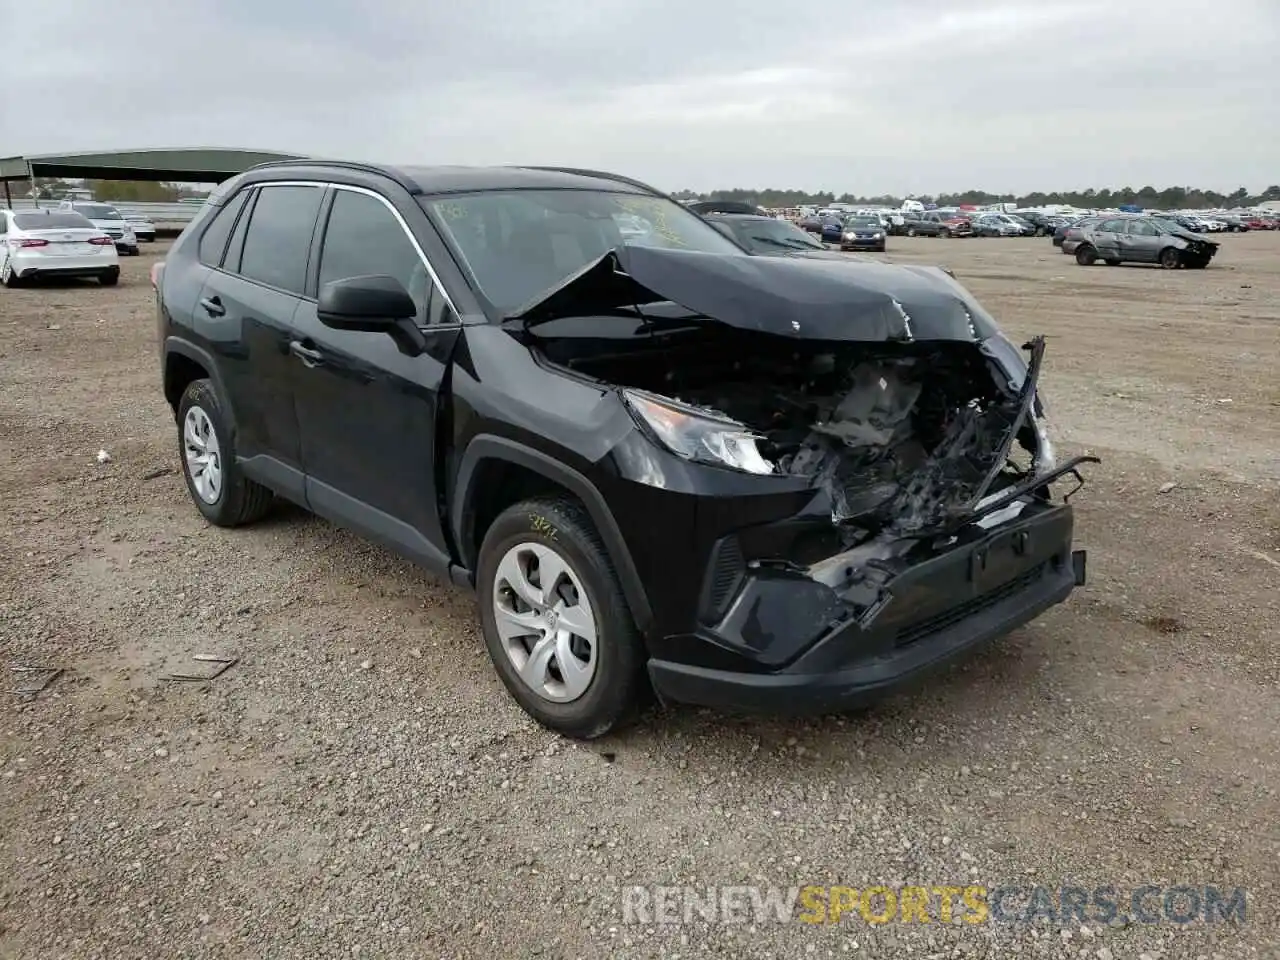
[813,657]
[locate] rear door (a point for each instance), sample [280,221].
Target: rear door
[250,302]
[1107,239]
[368,412]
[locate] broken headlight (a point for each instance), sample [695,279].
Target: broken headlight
[698,434]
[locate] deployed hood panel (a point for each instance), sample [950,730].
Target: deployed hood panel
[799,297]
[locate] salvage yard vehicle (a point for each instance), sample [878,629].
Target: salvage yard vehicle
[140,224]
[668,466]
[107,219]
[863,233]
[1129,239]
[54,243]
[768,236]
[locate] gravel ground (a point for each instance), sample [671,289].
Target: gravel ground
[359,784]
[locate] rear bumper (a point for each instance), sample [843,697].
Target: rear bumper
[82,266]
[940,608]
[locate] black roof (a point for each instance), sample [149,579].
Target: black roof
[460,179]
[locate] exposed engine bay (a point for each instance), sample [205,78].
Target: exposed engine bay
[904,437]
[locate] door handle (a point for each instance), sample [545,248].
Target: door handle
[213,306]
[309,357]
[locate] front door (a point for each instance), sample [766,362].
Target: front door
[367,412]
[1143,241]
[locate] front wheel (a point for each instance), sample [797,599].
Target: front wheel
[911,231]
[1039,231]
[945,234]
[1086,256]
[556,624]
[1170,259]
[215,480]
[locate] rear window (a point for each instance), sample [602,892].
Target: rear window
[61,220]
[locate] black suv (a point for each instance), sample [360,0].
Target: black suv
[664,464]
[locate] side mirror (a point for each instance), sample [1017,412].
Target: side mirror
[372,304]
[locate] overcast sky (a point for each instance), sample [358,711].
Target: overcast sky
[844,95]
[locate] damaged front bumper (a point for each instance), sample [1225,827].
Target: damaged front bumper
[804,646]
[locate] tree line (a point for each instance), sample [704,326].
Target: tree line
[1170,198]
[114,191]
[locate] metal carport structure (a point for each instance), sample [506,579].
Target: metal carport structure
[194,165]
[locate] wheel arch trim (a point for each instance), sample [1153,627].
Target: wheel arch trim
[488,447]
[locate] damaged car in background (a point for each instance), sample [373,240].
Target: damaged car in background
[1117,240]
[664,464]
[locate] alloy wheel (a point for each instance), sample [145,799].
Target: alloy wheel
[203,454]
[545,621]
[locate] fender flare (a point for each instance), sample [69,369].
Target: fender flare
[191,351]
[489,447]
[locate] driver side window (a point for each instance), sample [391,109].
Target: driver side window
[364,238]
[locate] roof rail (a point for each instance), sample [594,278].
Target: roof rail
[598,174]
[389,172]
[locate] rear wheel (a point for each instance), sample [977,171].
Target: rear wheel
[1170,259]
[911,231]
[110,278]
[556,624]
[1086,256]
[217,485]
[7,275]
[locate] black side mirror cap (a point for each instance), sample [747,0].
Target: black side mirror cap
[371,303]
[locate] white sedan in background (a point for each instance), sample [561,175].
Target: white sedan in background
[54,243]
[141,226]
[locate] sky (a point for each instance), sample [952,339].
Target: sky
[901,97]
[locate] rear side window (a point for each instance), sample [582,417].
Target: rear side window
[62,220]
[279,236]
[213,242]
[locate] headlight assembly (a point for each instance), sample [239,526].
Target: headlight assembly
[695,435]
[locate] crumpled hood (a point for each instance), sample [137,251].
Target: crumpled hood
[799,297]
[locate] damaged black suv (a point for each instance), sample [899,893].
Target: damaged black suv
[665,465]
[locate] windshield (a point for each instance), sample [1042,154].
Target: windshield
[98,211]
[769,235]
[62,220]
[520,243]
[862,222]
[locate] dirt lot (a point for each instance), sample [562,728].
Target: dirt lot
[359,783]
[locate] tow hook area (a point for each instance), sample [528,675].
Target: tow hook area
[1079,564]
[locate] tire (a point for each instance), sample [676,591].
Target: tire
[882,248]
[1039,232]
[1086,256]
[944,233]
[109,279]
[911,231]
[558,529]
[237,500]
[7,275]
[1170,258]
[1112,262]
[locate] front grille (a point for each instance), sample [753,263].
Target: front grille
[949,618]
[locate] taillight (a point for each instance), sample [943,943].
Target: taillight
[32,242]
[101,241]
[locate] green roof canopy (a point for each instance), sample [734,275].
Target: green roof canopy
[199,165]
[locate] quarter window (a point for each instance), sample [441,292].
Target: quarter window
[213,242]
[364,238]
[279,236]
